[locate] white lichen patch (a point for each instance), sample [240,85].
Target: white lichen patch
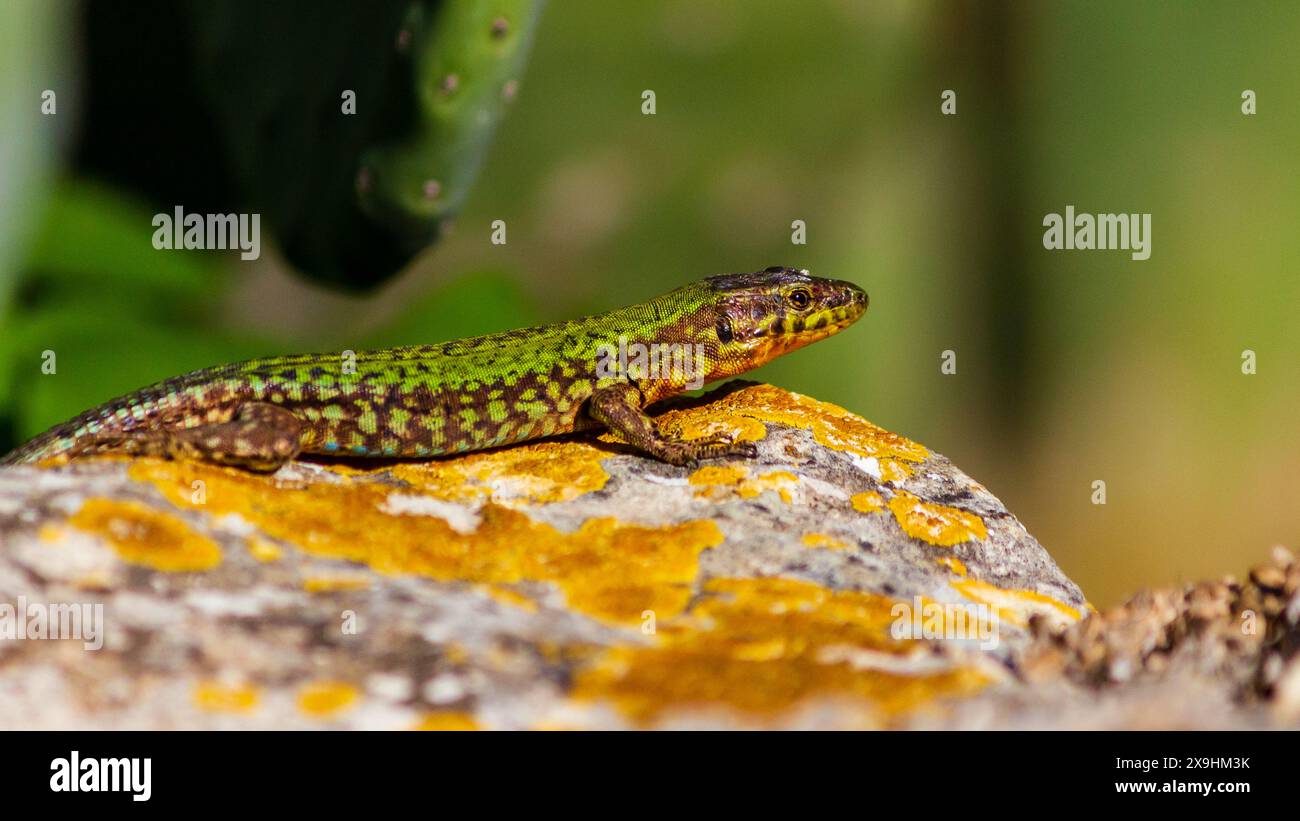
[460,518]
[869,465]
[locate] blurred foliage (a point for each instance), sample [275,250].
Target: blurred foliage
[1072,366]
[34,60]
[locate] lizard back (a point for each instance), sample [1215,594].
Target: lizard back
[419,400]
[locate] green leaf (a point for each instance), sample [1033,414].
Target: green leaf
[96,237]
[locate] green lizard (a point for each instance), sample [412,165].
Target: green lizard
[470,394]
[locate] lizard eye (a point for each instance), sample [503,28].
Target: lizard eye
[724,330]
[799,299]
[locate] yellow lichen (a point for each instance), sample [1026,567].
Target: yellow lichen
[445,720]
[263,550]
[823,540]
[742,414]
[868,501]
[536,472]
[761,646]
[722,480]
[455,653]
[323,699]
[954,564]
[142,535]
[782,481]
[1016,606]
[719,475]
[335,583]
[893,471]
[934,523]
[224,698]
[606,569]
[510,596]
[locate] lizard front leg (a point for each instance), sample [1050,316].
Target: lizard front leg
[260,436]
[618,407]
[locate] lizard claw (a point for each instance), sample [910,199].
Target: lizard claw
[715,447]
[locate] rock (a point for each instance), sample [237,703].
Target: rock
[1212,655]
[564,583]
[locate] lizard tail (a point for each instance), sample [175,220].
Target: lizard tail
[134,411]
[52,443]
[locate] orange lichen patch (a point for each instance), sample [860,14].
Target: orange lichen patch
[222,698]
[1016,606]
[326,698]
[936,524]
[892,470]
[510,596]
[142,535]
[50,533]
[537,472]
[823,540]
[606,569]
[743,413]
[455,653]
[782,481]
[761,646]
[618,572]
[868,501]
[334,584]
[445,720]
[264,550]
[723,480]
[719,475]
[954,564]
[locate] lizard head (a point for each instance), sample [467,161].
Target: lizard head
[759,316]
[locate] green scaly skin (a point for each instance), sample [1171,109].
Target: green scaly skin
[471,394]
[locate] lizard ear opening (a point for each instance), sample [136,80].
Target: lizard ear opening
[724,329]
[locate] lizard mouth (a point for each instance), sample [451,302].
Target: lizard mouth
[794,332]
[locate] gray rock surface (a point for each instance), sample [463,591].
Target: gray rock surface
[567,583]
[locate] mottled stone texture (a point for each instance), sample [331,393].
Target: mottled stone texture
[567,583]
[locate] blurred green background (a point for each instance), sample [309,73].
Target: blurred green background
[1072,366]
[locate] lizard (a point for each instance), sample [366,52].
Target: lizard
[425,401]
